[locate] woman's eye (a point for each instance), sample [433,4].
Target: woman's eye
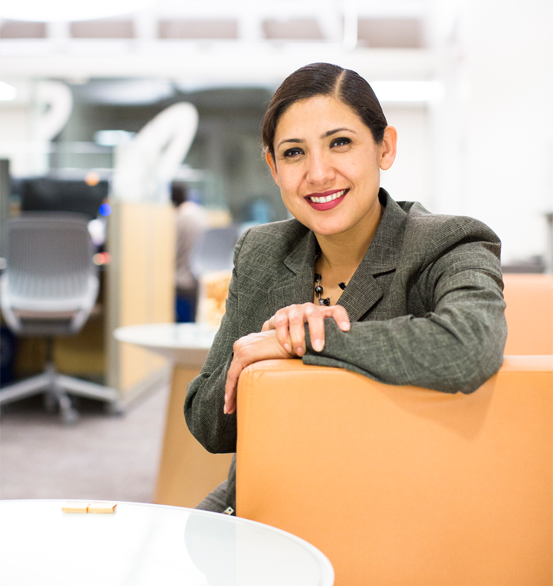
[292,152]
[340,141]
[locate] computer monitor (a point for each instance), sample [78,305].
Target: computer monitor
[60,195]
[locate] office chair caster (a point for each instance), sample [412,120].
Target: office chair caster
[114,409]
[50,402]
[69,415]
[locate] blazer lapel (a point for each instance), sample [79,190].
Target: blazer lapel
[363,290]
[362,293]
[297,280]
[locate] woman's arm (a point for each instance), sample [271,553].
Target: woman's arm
[205,398]
[455,347]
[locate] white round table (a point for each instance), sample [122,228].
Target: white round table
[149,545]
[186,344]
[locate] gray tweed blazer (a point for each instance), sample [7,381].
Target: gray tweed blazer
[426,307]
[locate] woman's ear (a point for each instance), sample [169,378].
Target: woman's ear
[388,148]
[272,165]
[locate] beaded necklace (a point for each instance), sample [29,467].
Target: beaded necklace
[319,290]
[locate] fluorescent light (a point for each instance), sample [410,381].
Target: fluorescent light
[113,137]
[62,10]
[7,92]
[407,91]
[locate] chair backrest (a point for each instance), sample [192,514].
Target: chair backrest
[529,313]
[50,280]
[213,251]
[403,485]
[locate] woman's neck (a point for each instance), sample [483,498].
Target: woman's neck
[342,253]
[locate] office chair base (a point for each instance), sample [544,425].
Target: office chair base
[57,386]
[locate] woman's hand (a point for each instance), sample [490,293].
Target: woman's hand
[290,321]
[249,349]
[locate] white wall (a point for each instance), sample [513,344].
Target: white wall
[410,177]
[510,121]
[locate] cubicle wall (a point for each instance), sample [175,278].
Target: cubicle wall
[140,288]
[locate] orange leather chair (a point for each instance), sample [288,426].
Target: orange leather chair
[529,313]
[402,486]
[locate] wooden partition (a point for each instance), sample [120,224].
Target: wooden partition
[140,287]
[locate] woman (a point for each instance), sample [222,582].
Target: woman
[356,280]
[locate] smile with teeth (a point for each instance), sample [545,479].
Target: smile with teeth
[328,198]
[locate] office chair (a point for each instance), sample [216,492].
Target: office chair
[213,251]
[48,289]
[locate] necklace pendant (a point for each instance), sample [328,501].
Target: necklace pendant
[324,301]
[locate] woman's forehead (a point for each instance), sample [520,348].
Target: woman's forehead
[316,113]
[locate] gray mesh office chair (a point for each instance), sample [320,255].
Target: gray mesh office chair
[213,250]
[49,289]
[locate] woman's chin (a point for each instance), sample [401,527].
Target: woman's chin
[329,227]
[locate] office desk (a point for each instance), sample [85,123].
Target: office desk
[187,472]
[145,545]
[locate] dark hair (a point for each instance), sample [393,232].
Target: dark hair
[324,79]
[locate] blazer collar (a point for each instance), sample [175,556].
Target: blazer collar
[363,290]
[298,287]
[382,256]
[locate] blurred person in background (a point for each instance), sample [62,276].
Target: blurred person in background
[192,220]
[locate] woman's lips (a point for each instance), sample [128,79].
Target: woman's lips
[327,200]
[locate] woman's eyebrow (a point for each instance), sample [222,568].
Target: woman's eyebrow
[290,140]
[325,135]
[331,132]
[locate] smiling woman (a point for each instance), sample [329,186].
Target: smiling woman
[355,280]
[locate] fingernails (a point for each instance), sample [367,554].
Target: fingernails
[299,351]
[287,347]
[345,326]
[317,345]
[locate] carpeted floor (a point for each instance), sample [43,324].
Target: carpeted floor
[100,457]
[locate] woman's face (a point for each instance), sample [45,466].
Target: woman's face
[327,166]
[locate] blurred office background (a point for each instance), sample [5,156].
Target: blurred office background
[468,84]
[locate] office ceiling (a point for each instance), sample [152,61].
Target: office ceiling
[223,43]
[378,23]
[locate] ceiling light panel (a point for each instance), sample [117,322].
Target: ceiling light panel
[61,10]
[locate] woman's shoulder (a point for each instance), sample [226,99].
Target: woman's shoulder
[274,239]
[442,228]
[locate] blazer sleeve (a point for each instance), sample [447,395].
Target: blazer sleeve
[205,397]
[456,346]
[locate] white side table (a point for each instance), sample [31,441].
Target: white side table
[187,472]
[142,545]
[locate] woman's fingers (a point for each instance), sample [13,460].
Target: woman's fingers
[290,321]
[282,326]
[230,387]
[340,316]
[296,327]
[282,336]
[315,318]
[250,348]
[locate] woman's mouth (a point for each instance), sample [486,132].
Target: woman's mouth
[326,201]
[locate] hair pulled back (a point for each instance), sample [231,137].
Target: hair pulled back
[324,79]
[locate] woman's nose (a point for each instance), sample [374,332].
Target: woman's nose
[319,170]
